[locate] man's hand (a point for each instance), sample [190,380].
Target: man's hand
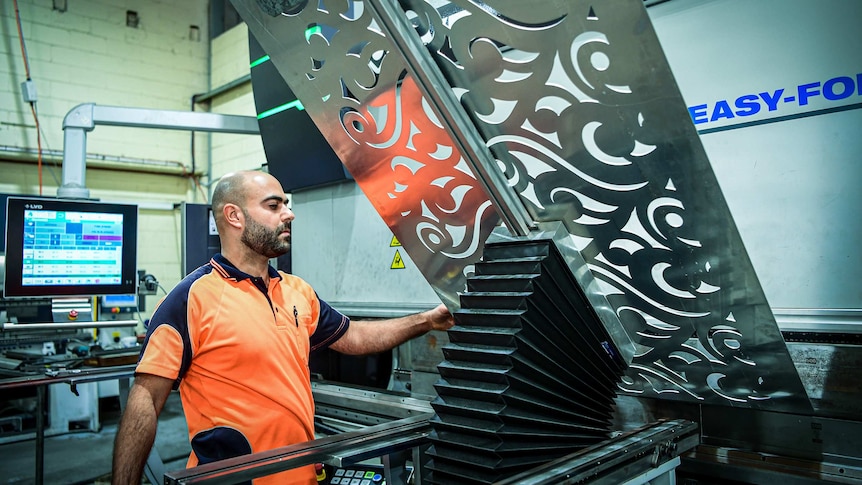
[440,318]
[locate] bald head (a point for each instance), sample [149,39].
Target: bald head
[236,188]
[231,189]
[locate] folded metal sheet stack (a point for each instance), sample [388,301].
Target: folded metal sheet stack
[530,373]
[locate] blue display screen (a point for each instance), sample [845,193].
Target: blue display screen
[121,301]
[60,247]
[72,248]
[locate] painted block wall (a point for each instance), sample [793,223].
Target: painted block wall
[230,62]
[88,54]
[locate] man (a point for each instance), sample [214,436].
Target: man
[235,336]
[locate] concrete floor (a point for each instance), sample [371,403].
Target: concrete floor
[85,457]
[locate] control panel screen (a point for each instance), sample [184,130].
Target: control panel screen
[72,248]
[57,247]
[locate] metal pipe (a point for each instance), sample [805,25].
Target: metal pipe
[204,97]
[67,325]
[40,434]
[99,157]
[85,117]
[74,165]
[173,120]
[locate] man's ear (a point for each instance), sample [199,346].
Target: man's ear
[233,215]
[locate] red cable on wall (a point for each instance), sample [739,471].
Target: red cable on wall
[32,103]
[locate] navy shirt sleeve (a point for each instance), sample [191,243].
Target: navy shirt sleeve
[173,311]
[331,325]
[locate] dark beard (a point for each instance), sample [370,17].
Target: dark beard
[263,241]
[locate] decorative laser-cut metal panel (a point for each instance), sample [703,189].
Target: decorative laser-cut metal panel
[372,113]
[578,106]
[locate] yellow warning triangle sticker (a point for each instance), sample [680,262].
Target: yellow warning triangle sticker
[397,262]
[394,242]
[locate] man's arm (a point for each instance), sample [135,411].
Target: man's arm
[137,429]
[369,337]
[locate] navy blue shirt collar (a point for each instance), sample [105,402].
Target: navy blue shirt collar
[231,271]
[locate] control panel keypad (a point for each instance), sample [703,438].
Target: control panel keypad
[356,477]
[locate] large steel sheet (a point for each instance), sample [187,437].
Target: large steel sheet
[577,106]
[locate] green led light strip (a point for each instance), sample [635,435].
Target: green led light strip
[258,62]
[278,109]
[308,33]
[311,31]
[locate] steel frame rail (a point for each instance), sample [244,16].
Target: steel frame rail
[618,459]
[389,440]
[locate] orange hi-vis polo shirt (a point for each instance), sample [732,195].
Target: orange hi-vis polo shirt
[239,354]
